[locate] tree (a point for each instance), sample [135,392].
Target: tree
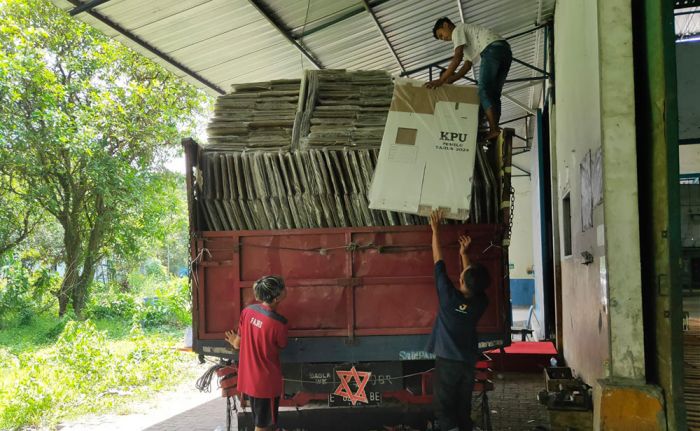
[17,219]
[83,124]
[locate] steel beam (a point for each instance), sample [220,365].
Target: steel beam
[338,19]
[520,104]
[515,119]
[262,9]
[526,172]
[521,138]
[86,6]
[150,48]
[437,63]
[528,31]
[542,71]
[532,78]
[520,87]
[691,12]
[384,36]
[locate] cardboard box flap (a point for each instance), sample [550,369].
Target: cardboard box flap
[411,96]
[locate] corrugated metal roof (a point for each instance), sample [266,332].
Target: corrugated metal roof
[687,22]
[354,43]
[216,43]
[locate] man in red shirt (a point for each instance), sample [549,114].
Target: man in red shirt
[262,333]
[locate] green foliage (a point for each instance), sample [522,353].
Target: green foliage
[82,372]
[84,125]
[157,299]
[23,292]
[169,306]
[17,217]
[112,306]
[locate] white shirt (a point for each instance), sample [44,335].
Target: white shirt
[474,38]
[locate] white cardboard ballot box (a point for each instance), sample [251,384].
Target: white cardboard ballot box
[427,155]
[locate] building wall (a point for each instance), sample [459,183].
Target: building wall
[536,223]
[522,283]
[689,158]
[690,215]
[578,134]
[688,64]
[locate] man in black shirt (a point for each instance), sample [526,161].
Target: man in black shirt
[454,339]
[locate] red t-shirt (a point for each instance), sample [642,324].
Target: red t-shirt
[263,334]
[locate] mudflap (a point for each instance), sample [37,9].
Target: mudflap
[387,417]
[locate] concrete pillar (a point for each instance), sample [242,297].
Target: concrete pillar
[623,399]
[618,139]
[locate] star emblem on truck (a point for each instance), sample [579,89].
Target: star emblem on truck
[360,377]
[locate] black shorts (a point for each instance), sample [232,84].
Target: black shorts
[264,411]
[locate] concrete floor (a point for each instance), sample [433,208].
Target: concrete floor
[513,403]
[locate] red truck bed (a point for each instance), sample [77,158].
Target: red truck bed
[347,286]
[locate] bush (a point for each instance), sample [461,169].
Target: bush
[79,373]
[111,306]
[169,306]
[23,293]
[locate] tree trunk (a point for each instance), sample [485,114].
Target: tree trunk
[91,257]
[70,280]
[80,294]
[73,252]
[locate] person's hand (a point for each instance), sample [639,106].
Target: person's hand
[434,83]
[435,220]
[464,241]
[230,337]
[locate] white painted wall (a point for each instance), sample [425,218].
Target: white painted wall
[520,251]
[578,131]
[689,157]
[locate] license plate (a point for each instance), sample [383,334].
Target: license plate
[373,399]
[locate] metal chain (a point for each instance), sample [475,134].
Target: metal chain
[512,212]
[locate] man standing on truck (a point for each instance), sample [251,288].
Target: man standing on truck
[262,333]
[454,339]
[478,43]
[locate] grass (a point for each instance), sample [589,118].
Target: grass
[39,333]
[52,369]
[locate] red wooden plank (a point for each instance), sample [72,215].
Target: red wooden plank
[361,281]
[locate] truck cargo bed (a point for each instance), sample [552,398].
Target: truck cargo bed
[355,294]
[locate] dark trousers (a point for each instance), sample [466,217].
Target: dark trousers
[495,64]
[452,395]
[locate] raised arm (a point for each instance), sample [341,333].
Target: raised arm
[435,219]
[464,241]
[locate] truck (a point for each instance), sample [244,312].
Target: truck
[361,297]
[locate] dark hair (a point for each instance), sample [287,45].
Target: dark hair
[439,23]
[477,278]
[268,288]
